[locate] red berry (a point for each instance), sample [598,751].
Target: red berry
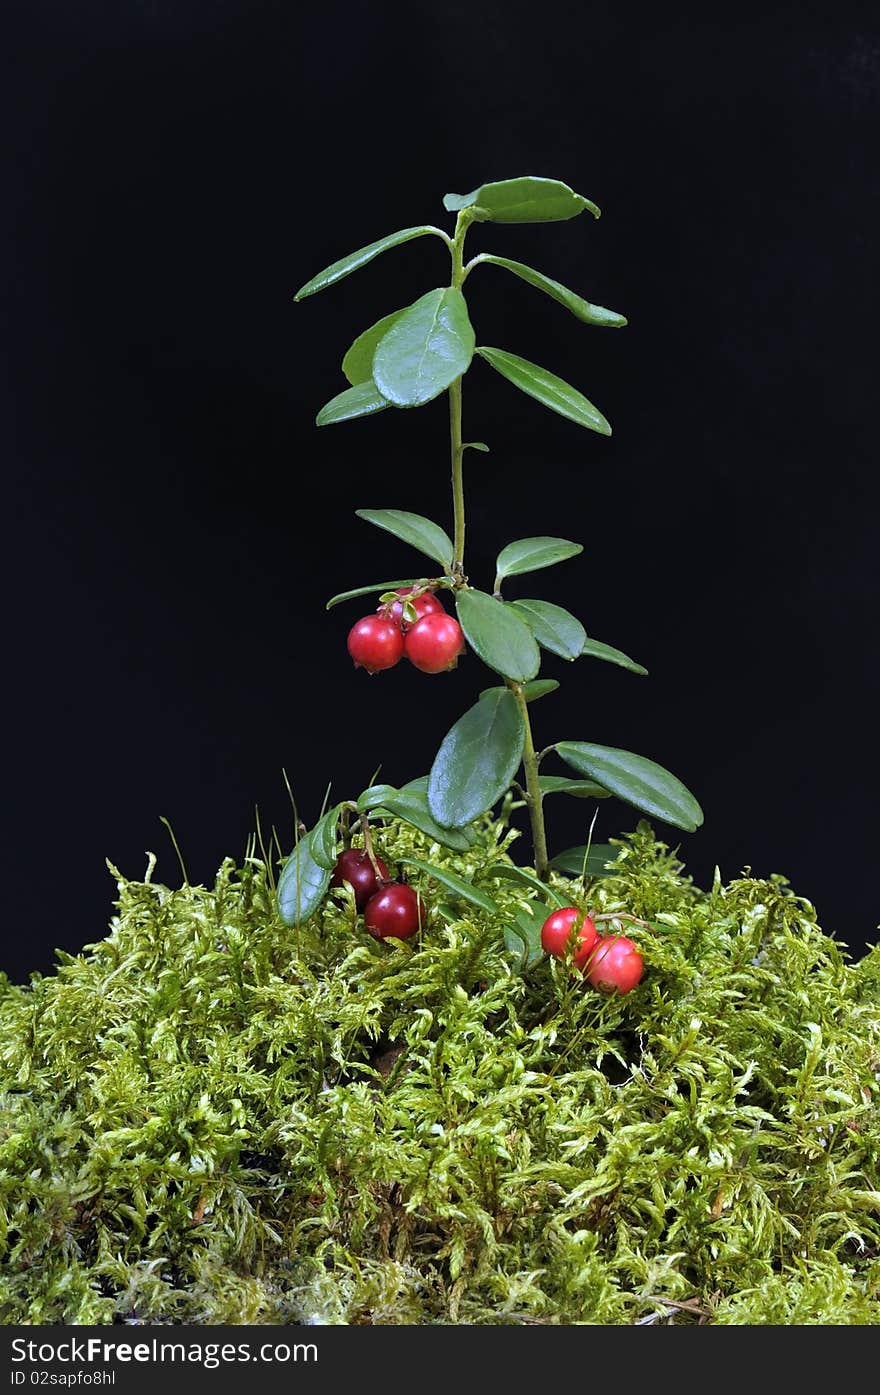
[556,933]
[425,604]
[395,912]
[615,965]
[434,643]
[354,866]
[375,642]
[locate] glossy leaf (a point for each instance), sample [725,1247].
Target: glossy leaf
[583,310]
[323,839]
[528,199]
[361,401]
[538,688]
[412,806]
[571,862]
[546,388]
[533,554]
[412,528]
[476,445]
[302,885]
[429,345]
[374,796]
[581,789]
[523,936]
[636,780]
[465,890]
[477,760]
[594,649]
[555,628]
[376,589]
[500,638]
[358,362]
[355,260]
[508,871]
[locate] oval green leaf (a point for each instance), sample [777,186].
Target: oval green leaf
[430,345]
[412,528]
[509,871]
[458,885]
[555,628]
[412,806]
[538,688]
[528,199]
[323,839]
[477,760]
[547,389]
[476,445]
[581,789]
[302,885]
[355,260]
[500,638]
[533,554]
[360,401]
[523,937]
[595,649]
[577,862]
[358,362]
[377,588]
[583,310]
[636,780]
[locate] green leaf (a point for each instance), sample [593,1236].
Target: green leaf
[523,937]
[594,649]
[529,199]
[532,554]
[412,806]
[500,638]
[373,796]
[539,688]
[458,885]
[477,760]
[582,309]
[547,389]
[581,789]
[302,885]
[476,445]
[430,345]
[358,362]
[377,588]
[511,873]
[636,780]
[555,628]
[571,862]
[355,260]
[417,786]
[412,528]
[323,839]
[361,401]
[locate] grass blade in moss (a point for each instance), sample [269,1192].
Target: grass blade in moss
[429,345]
[302,885]
[533,554]
[361,401]
[554,627]
[465,890]
[477,760]
[358,362]
[551,391]
[412,528]
[583,310]
[636,780]
[577,862]
[527,199]
[500,638]
[595,649]
[355,260]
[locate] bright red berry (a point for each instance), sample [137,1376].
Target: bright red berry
[556,933]
[434,643]
[615,965]
[354,866]
[375,643]
[395,912]
[425,604]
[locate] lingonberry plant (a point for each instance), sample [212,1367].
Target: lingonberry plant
[406,359]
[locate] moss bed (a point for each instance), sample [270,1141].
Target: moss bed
[208,1117]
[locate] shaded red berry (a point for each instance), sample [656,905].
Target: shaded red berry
[395,912]
[556,933]
[615,965]
[354,866]
[375,643]
[425,604]
[434,643]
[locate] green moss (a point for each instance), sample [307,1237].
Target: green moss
[210,1118]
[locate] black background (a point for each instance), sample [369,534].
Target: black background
[173,520]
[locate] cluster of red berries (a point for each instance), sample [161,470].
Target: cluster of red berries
[391,910]
[432,642]
[611,963]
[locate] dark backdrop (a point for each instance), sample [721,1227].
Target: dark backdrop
[173,521]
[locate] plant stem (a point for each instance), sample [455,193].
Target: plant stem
[457,449]
[534,797]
